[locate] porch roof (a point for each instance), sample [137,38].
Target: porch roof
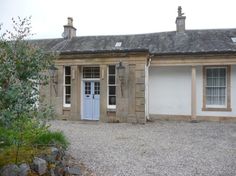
[163,43]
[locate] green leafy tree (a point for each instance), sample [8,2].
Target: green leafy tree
[22,68]
[22,72]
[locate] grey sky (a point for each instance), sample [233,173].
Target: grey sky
[111,17]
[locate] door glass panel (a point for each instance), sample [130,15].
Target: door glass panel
[87,89]
[97,88]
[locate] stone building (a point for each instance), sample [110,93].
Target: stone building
[183,74]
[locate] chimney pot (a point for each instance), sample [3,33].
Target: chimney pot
[70,21]
[180,21]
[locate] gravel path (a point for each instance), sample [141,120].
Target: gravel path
[157,148]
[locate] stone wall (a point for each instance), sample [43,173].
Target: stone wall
[130,101]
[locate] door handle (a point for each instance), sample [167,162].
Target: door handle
[93,96]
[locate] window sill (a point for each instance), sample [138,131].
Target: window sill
[217,109]
[111,110]
[66,108]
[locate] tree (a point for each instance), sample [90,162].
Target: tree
[22,71]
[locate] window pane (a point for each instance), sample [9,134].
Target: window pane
[112,79]
[209,73]
[67,99]
[222,81]
[95,72]
[112,69]
[112,90]
[214,72]
[222,72]
[67,70]
[112,100]
[67,80]
[68,91]
[222,91]
[209,91]
[209,81]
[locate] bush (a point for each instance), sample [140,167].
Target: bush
[22,72]
[27,138]
[51,138]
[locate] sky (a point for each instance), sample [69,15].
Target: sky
[117,17]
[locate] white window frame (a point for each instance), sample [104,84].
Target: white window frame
[111,107]
[93,66]
[67,105]
[226,75]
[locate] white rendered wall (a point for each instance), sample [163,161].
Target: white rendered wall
[200,95]
[170,90]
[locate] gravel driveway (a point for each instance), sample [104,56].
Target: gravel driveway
[157,148]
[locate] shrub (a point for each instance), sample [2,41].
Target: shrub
[51,138]
[27,139]
[22,72]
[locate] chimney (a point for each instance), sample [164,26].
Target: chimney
[69,29]
[180,21]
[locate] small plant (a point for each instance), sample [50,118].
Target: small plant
[25,154]
[27,139]
[51,138]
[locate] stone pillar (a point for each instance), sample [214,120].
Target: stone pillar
[79,77]
[57,91]
[122,97]
[103,93]
[193,95]
[131,99]
[140,93]
[75,91]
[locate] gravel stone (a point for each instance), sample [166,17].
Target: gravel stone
[161,148]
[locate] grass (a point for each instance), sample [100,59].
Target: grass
[26,154]
[51,138]
[21,146]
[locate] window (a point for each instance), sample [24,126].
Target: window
[111,86]
[67,86]
[118,44]
[91,72]
[216,88]
[233,39]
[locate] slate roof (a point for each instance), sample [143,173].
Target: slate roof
[189,42]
